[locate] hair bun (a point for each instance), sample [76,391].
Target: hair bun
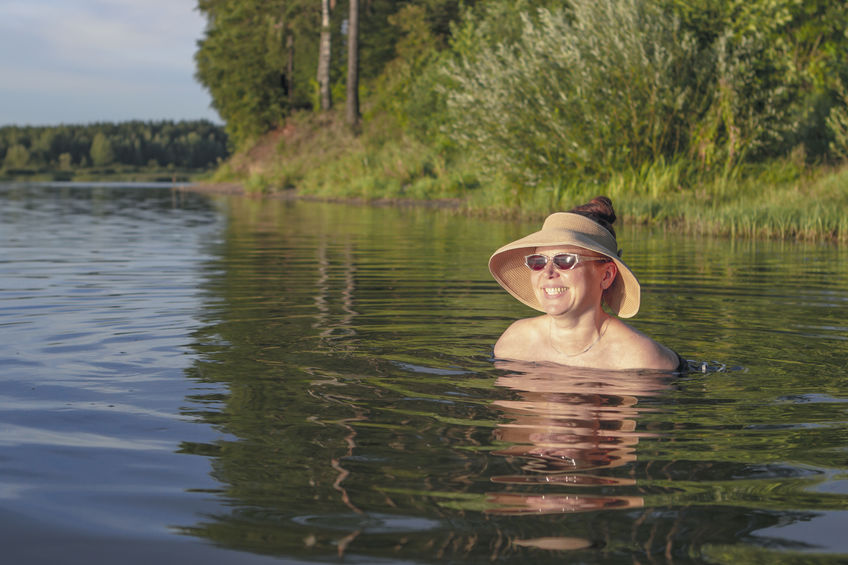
[600,210]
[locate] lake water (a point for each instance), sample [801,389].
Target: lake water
[187,378]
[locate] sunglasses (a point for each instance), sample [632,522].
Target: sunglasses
[562,261]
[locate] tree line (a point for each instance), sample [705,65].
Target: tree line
[198,144]
[263,59]
[546,85]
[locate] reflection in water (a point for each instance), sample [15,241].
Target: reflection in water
[568,426]
[330,330]
[329,327]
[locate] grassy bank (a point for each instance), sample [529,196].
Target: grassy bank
[316,156]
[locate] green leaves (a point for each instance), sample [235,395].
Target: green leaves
[837,122]
[101,151]
[242,62]
[17,157]
[582,92]
[600,87]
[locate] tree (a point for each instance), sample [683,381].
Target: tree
[352,102]
[231,64]
[326,100]
[65,162]
[290,66]
[101,151]
[17,157]
[246,61]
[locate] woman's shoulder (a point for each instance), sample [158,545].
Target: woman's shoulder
[516,341]
[638,351]
[622,347]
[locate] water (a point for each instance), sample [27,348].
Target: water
[186,377]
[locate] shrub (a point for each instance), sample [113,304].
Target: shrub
[837,123]
[596,89]
[606,87]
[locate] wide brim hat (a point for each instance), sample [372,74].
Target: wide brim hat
[566,228]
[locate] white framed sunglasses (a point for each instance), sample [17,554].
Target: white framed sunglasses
[562,261]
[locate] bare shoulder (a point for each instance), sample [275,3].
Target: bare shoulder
[636,350]
[517,342]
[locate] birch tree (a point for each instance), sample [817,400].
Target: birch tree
[324,52]
[352,103]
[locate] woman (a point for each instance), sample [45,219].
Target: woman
[567,270]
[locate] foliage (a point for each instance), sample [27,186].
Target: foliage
[416,49]
[101,150]
[748,114]
[610,86]
[805,38]
[17,157]
[407,88]
[242,60]
[186,145]
[801,51]
[580,92]
[837,122]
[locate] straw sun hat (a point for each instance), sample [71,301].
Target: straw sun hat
[566,228]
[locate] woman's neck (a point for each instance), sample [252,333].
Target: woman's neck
[572,336]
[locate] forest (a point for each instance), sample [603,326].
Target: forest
[693,113]
[132,149]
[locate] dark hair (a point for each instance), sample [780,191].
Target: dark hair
[599,209]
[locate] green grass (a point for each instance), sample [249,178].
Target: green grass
[810,207]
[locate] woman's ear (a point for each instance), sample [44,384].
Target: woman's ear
[610,271]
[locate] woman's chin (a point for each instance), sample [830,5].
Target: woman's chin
[556,308]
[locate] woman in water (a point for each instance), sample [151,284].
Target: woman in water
[567,270]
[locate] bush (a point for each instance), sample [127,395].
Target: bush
[607,87]
[837,123]
[601,88]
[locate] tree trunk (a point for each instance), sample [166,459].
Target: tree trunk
[290,68]
[352,106]
[324,57]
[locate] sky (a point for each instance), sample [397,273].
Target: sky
[84,61]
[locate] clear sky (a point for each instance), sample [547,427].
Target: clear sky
[82,61]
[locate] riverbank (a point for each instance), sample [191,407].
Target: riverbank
[316,157]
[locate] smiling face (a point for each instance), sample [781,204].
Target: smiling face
[575,290]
